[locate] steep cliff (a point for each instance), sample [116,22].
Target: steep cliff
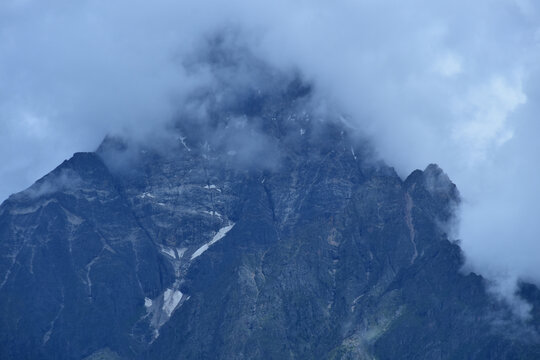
[265,232]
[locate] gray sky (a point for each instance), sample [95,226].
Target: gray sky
[450,82]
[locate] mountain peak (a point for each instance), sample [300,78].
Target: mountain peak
[264,236]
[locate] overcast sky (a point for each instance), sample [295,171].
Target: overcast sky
[453,82]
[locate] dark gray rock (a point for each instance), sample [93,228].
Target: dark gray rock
[263,233]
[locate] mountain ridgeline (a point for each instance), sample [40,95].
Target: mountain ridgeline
[262,232]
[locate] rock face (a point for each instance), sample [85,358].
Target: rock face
[262,234]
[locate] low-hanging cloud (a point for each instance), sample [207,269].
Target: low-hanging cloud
[446,82]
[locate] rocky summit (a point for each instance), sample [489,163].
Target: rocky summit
[266,231]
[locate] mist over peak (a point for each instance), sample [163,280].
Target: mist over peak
[454,84]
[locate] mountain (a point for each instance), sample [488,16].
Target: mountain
[265,232]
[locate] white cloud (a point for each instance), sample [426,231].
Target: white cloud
[446,82]
[485,111]
[448,65]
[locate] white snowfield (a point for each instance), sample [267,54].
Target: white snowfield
[171,298]
[146,195]
[213,213]
[169,251]
[162,307]
[147,302]
[219,235]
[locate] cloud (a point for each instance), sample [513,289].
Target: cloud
[64,180]
[446,82]
[448,65]
[485,112]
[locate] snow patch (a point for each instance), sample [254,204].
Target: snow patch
[169,251]
[171,298]
[147,302]
[145,195]
[218,236]
[182,140]
[199,251]
[212,187]
[213,213]
[180,252]
[221,233]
